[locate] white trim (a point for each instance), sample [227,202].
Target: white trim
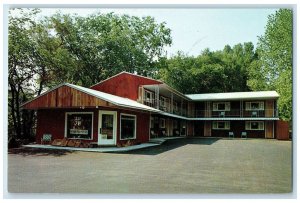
[115,126]
[92,130]
[135,122]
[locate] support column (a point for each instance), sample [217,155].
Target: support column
[181,107]
[241,108]
[157,96]
[171,103]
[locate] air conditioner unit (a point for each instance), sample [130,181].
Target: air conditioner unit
[222,114]
[254,114]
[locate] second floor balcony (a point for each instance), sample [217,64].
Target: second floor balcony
[237,113]
[176,109]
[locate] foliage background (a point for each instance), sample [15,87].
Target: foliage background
[86,50]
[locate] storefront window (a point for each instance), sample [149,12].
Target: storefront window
[128,127]
[79,125]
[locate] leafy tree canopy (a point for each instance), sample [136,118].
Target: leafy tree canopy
[102,45]
[219,71]
[273,69]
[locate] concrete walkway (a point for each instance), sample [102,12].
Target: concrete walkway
[151,143]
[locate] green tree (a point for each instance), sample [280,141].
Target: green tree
[33,67]
[273,70]
[218,71]
[105,44]
[80,50]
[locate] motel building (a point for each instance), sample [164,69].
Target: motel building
[128,107]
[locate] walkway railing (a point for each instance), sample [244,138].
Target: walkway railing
[233,113]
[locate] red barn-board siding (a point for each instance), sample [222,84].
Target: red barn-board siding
[282,130]
[64,97]
[52,121]
[124,85]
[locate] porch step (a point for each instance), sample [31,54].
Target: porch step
[157,141]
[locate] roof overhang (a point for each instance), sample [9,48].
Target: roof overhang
[258,95]
[100,96]
[164,89]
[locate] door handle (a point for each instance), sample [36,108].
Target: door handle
[100,130]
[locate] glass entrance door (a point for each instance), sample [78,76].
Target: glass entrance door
[107,128]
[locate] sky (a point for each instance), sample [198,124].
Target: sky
[193,30]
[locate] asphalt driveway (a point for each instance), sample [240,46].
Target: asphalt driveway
[198,165]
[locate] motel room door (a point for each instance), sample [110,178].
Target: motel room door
[107,128]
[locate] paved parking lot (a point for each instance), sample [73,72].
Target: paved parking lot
[198,165]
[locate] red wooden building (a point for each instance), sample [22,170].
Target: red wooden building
[136,108]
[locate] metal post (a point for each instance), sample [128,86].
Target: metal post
[157,96]
[241,108]
[181,107]
[171,102]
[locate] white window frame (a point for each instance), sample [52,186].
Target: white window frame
[260,104]
[160,123]
[216,106]
[151,122]
[248,125]
[135,121]
[175,107]
[66,123]
[151,96]
[163,100]
[216,127]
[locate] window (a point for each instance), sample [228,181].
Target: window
[175,106]
[221,106]
[128,127]
[175,124]
[163,101]
[162,123]
[149,96]
[221,125]
[79,125]
[254,125]
[254,106]
[151,122]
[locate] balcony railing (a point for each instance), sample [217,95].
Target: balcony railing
[233,113]
[269,113]
[166,107]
